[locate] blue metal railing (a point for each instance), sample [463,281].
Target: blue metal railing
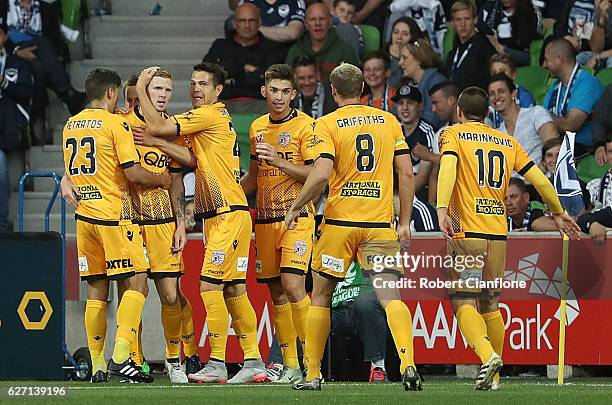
[57,178]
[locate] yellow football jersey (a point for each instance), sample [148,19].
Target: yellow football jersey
[212,139]
[362,141]
[98,145]
[276,190]
[485,160]
[151,204]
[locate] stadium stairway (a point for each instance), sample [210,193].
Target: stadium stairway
[127,41]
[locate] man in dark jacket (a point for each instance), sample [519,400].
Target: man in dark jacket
[34,35]
[464,65]
[15,95]
[321,42]
[245,55]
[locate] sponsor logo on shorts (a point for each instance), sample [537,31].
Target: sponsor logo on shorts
[89,192]
[258,266]
[300,262]
[367,189]
[146,254]
[83,266]
[283,139]
[218,257]
[488,206]
[332,263]
[235,244]
[299,247]
[129,235]
[243,264]
[119,264]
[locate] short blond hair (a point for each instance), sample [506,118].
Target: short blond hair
[461,5]
[347,79]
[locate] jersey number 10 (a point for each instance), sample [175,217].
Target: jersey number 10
[86,142]
[495,159]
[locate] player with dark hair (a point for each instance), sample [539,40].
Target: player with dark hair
[475,169]
[101,160]
[281,140]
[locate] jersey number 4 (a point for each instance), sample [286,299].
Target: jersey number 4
[494,169]
[88,143]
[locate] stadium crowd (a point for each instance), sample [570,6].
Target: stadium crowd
[425,54]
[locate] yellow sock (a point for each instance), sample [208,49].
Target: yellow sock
[171,320]
[285,333]
[136,347]
[399,320]
[299,313]
[128,318]
[318,326]
[474,329]
[187,335]
[218,320]
[244,322]
[95,327]
[496,332]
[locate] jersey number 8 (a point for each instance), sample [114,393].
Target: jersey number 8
[86,142]
[364,144]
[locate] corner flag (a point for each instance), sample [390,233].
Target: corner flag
[566,177]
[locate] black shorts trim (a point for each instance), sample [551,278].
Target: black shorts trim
[127,165]
[94,277]
[175,169]
[123,275]
[278,219]
[216,281]
[484,236]
[155,221]
[451,152]
[253,157]
[94,221]
[401,152]
[526,168]
[308,162]
[292,270]
[214,213]
[327,156]
[328,276]
[473,295]
[268,280]
[339,222]
[163,274]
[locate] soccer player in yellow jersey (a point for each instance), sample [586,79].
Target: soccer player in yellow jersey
[356,149]
[160,90]
[219,200]
[101,161]
[475,169]
[280,163]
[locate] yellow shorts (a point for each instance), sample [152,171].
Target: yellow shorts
[110,251]
[282,250]
[476,260]
[159,239]
[228,240]
[336,247]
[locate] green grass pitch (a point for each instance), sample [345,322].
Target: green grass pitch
[436,391]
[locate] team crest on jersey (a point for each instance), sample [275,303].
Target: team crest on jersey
[283,10]
[218,257]
[299,247]
[283,139]
[188,115]
[259,137]
[11,74]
